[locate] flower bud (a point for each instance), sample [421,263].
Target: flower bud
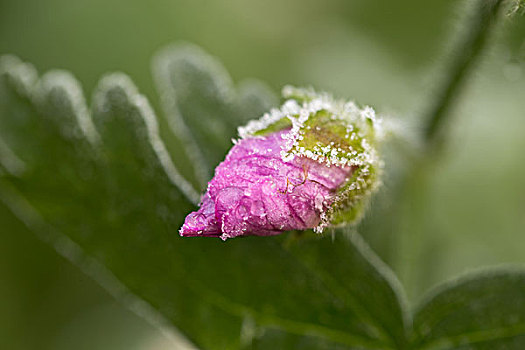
[312,163]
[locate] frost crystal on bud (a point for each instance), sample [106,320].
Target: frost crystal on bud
[312,163]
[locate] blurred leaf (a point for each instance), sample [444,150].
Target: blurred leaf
[201,104]
[480,311]
[100,187]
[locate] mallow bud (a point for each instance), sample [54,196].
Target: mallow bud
[310,164]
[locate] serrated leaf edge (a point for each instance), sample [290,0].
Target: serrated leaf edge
[168,97]
[26,81]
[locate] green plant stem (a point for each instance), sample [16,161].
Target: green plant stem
[414,203]
[465,54]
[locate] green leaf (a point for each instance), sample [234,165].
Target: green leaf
[202,105]
[484,310]
[98,184]
[365,284]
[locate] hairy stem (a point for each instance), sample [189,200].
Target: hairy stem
[466,52]
[413,238]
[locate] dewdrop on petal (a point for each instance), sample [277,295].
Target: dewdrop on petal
[310,164]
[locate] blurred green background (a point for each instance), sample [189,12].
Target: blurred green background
[384,53]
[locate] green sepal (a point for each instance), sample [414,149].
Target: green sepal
[332,132]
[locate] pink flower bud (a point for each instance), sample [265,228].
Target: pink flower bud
[270,182]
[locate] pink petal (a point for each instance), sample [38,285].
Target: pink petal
[255,192]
